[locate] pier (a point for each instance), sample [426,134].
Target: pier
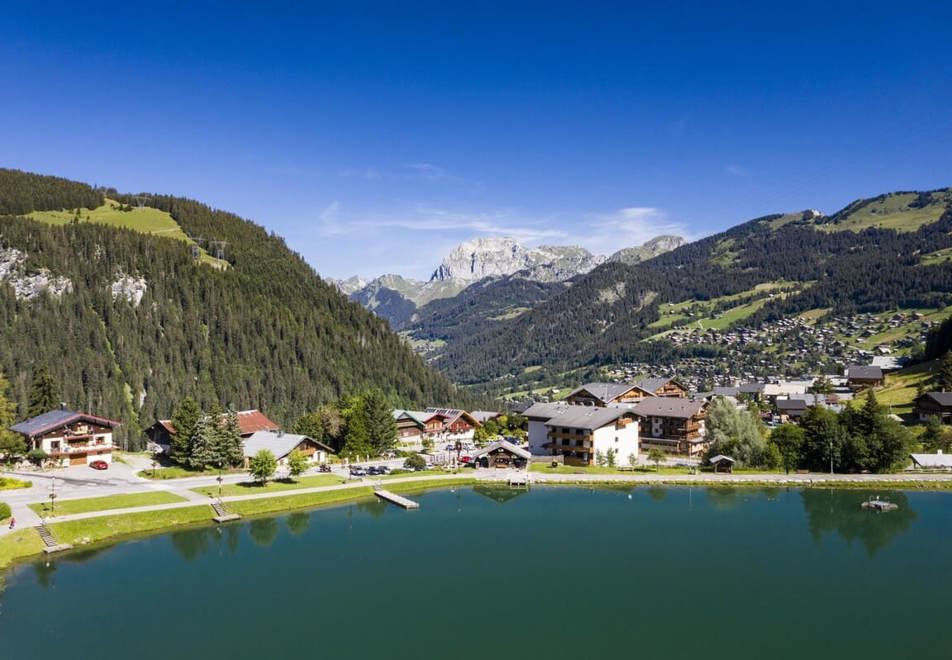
[396,499]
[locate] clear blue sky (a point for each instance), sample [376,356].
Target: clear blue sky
[374,137]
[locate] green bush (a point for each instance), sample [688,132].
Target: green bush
[5,511]
[415,462]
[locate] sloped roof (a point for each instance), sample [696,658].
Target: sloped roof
[665,406]
[933,460]
[249,421]
[604,392]
[502,444]
[576,417]
[54,419]
[655,383]
[483,416]
[752,388]
[726,391]
[944,399]
[279,444]
[867,372]
[721,457]
[452,414]
[417,416]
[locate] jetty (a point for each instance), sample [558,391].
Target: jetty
[222,514]
[396,499]
[50,544]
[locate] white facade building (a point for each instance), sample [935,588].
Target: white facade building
[581,433]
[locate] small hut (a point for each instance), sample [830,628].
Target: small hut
[501,454]
[722,463]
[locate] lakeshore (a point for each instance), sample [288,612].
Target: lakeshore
[317,581]
[91,521]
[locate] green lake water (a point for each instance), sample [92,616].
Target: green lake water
[492,573]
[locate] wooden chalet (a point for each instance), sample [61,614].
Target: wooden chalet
[860,377]
[281,444]
[501,454]
[68,437]
[935,404]
[622,394]
[450,423]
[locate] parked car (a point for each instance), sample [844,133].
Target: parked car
[465,459]
[358,472]
[99,465]
[325,467]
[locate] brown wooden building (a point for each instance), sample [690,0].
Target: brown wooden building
[672,424]
[859,377]
[935,404]
[69,438]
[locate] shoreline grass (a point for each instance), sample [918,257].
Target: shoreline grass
[178,472]
[274,485]
[9,483]
[85,505]
[25,543]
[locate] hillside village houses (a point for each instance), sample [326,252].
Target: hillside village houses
[935,404]
[68,437]
[251,421]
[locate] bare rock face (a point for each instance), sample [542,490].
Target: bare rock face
[479,258]
[28,285]
[128,288]
[648,250]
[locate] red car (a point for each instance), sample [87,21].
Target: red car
[99,465]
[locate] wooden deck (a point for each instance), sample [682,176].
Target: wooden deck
[396,499]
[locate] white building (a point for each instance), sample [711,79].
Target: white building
[580,433]
[69,438]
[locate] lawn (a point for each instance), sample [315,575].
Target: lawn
[178,472]
[304,500]
[69,507]
[146,220]
[892,212]
[546,468]
[901,387]
[21,543]
[96,529]
[9,483]
[252,487]
[937,258]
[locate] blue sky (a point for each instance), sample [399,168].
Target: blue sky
[374,137]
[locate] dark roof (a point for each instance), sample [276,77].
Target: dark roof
[666,406]
[506,446]
[944,399]
[54,419]
[751,388]
[791,404]
[652,385]
[864,372]
[249,421]
[604,392]
[575,417]
[726,391]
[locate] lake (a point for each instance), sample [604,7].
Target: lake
[485,572]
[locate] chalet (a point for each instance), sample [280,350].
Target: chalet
[935,404]
[675,425]
[281,444]
[69,438]
[450,424]
[501,454]
[249,421]
[580,433]
[411,428]
[624,394]
[859,377]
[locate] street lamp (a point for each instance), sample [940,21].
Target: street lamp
[220,479]
[52,496]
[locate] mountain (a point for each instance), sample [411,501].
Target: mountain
[649,250]
[402,301]
[131,314]
[889,252]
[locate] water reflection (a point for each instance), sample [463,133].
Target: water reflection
[45,572]
[374,507]
[842,512]
[192,544]
[263,531]
[299,522]
[657,493]
[499,494]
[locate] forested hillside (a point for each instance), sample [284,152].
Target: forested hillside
[265,332]
[875,255]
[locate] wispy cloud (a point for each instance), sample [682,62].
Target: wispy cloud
[418,171]
[736,170]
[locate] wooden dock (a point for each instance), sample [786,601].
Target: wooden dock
[222,514]
[519,480]
[396,499]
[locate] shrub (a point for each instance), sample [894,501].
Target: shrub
[5,511]
[37,456]
[415,462]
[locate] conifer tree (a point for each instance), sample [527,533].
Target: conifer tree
[381,427]
[202,443]
[184,420]
[231,447]
[11,444]
[943,379]
[44,393]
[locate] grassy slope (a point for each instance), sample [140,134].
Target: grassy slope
[146,220]
[9,483]
[97,529]
[702,311]
[892,212]
[69,507]
[251,487]
[900,390]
